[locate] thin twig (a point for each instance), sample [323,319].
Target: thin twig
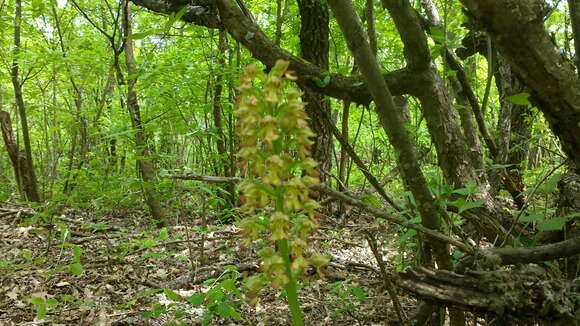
[386,279]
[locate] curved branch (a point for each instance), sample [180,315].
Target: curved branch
[199,12]
[249,34]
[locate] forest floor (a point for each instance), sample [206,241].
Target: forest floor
[119,276]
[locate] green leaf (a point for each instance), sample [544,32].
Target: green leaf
[519,99]
[172,295]
[358,293]
[76,268]
[532,218]
[438,35]
[52,302]
[40,311]
[470,205]
[37,7]
[550,186]
[322,82]
[235,315]
[121,133]
[224,309]
[163,234]
[415,220]
[27,254]
[148,243]
[196,299]
[149,292]
[139,36]
[229,285]
[553,224]
[158,309]
[207,318]
[175,17]
[407,236]
[37,301]
[77,252]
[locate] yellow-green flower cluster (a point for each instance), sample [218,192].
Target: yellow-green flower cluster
[275,156]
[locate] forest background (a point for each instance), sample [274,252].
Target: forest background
[447,134]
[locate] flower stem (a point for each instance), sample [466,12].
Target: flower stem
[291,291]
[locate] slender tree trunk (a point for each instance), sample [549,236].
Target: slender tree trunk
[343,164]
[17,157]
[391,120]
[461,93]
[511,145]
[217,113]
[314,45]
[574,7]
[281,11]
[371,30]
[30,175]
[143,149]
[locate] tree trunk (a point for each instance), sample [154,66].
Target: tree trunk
[517,28]
[28,174]
[17,157]
[314,33]
[143,149]
[222,165]
[574,8]
[391,120]
[280,15]
[217,110]
[343,164]
[512,139]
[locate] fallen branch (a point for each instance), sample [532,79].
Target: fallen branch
[529,292]
[393,219]
[344,198]
[509,256]
[205,178]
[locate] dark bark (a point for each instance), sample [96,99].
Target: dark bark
[371,29]
[199,12]
[574,8]
[441,118]
[314,45]
[222,164]
[343,164]
[517,28]
[281,12]
[512,296]
[513,127]
[28,175]
[17,156]
[462,91]
[512,140]
[343,153]
[494,257]
[217,110]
